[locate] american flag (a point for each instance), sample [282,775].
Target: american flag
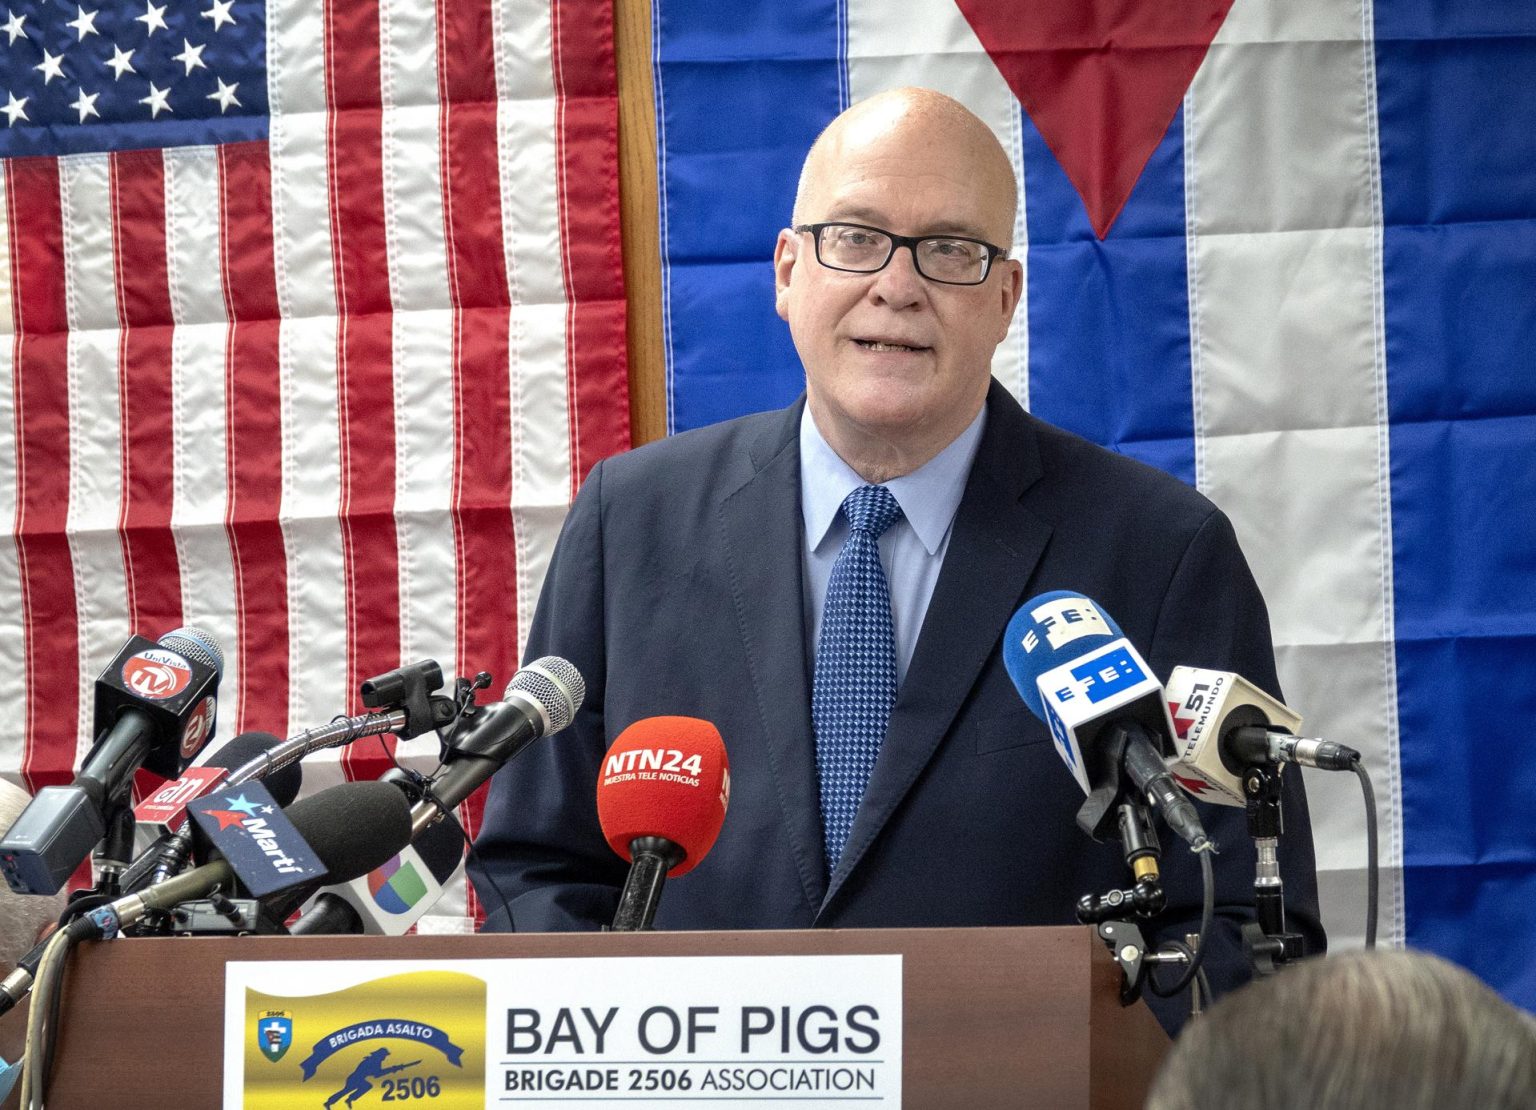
[317,322]
[85,79]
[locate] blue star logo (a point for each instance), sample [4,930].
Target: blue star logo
[243,805]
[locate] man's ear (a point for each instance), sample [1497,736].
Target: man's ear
[785,252]
[1011,288]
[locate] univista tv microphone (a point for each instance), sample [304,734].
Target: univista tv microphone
[661,799]
[1225,724]
[155,708]
[1106,710]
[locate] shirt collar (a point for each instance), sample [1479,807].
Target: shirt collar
[929,497]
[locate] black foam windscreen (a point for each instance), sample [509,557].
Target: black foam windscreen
[283,784]
[354,827]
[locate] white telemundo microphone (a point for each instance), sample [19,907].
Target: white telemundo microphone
[1208,706]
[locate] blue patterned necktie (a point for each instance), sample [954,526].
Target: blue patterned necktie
[855,685]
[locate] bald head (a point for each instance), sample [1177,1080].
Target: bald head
[897,361]
[901,121]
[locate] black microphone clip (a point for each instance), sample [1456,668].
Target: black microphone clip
[411,688]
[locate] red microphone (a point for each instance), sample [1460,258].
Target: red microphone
[661,799]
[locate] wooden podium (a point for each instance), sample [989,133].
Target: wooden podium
[993,1017]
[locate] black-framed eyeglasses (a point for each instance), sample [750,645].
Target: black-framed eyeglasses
[861,249]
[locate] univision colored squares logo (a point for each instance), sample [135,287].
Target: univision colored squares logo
[157,674]
[397,886]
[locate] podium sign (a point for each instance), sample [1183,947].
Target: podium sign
[988,1017]
[565,1032]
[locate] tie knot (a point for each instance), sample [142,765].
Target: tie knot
[871,509]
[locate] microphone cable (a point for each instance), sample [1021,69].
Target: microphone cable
[1372,859]
[43,1017]
[1207,912]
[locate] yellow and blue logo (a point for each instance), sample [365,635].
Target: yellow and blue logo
[417,1036]
[274,1033]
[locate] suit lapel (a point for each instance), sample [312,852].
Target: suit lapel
[761,529]
[993,550]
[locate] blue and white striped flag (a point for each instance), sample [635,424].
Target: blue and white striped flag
[1317,303]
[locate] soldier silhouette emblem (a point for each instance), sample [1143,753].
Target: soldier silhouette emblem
[360,1082]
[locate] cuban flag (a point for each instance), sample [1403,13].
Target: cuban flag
[1283,249]
[313,323]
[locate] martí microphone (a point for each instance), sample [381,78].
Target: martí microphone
[1225,725]
[1107,713]
[352,828]
[155,708]
[542,698]
[166,808]
[169,803]
[661,799]
[392,897]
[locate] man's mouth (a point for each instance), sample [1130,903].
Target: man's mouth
[881,346]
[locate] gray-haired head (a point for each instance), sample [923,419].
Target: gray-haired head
[1359,1031]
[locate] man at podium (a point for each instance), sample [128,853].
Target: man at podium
[829,586]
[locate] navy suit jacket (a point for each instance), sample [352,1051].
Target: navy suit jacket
[676,589]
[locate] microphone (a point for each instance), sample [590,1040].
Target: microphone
[542,698]
[1226,725]
[167,805]
[351,828]
[1107,713]
[391,898]
[155,707]
[661,799]
[166,808]
[1234,743]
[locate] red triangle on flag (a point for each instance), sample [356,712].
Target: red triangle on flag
[1102,79]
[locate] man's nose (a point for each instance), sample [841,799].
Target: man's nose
[899,284]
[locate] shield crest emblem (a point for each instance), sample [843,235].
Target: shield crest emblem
[274,1033]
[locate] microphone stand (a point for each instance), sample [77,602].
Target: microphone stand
[1142,854]
[1268,944]
[1112,910]
[115,851]
[651,857]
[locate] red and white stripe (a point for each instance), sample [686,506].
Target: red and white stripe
[13,645]
[199,399]
[328,395]
[49,623]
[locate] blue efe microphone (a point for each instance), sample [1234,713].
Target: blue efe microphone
[1106,710]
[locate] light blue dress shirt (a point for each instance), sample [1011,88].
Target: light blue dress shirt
[911,551]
